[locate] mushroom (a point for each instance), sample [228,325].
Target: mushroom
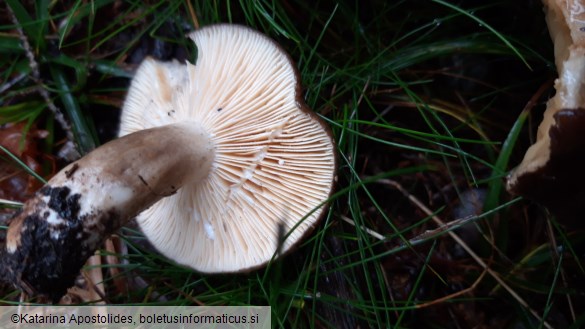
[551,172]
[214,158]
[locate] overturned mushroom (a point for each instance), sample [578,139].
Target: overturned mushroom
[552,169]
[222,153]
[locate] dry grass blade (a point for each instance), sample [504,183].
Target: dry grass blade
[555,252]
[367,230]
[465,247]
[11,203]
[193,15]
[95,279]
[114,246]
[454,295]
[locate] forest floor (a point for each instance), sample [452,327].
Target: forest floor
[431,104]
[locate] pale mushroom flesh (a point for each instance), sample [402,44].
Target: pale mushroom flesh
[552,169]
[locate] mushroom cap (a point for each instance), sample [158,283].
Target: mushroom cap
[274,158]
[551,171]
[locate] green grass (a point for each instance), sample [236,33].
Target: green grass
[425,94]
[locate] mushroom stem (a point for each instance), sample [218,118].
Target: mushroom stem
[67,220]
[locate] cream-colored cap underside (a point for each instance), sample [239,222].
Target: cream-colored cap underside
[273,164]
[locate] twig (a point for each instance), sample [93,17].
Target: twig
[466,247]
[36,77]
